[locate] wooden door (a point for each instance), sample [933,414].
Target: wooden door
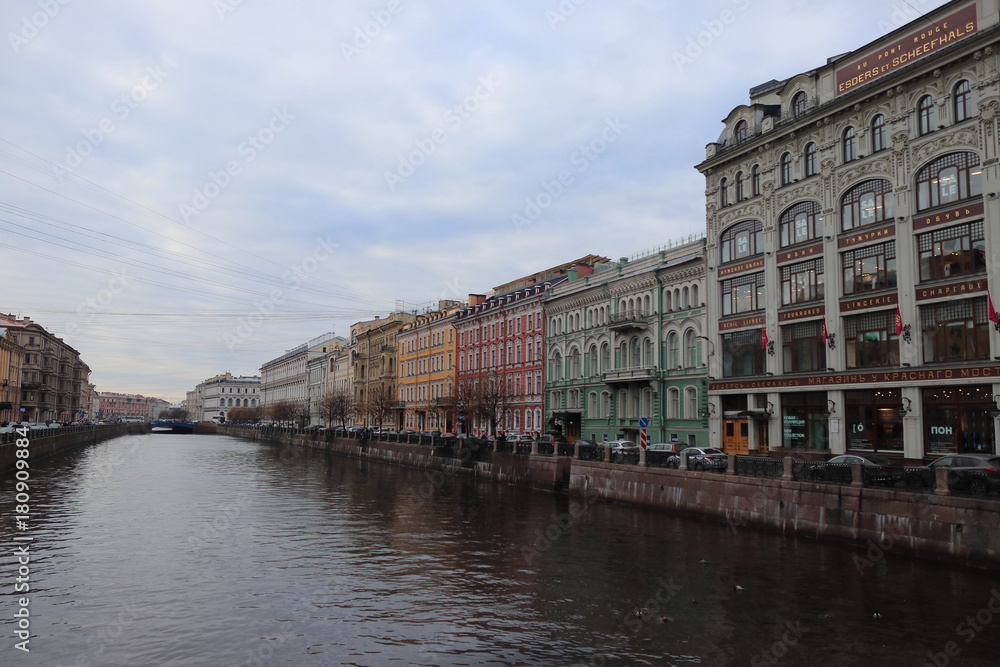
[736,436]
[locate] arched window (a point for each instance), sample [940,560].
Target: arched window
[740,196]
[800,223]
[636,353]
[849,144]
[686,297]
[667,300]
[673,351]
[810,159]
[691,402]
[867,203]
[925,115]
[740,133]
[694,296]
[963,101]
[755,180]
[949,179]
[878,133]
[742,240]
[605,357]
[786,168]
[690,349]
[574,365]
[592,409]
[799,104]
[647,352]
[592,369]
[724,193]
[673,403]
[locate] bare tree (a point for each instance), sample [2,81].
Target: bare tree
[486,399]
[248,414]
[282,412]
[380,400]
[337,406]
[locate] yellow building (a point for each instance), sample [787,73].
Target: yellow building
[10,375]
[426,376]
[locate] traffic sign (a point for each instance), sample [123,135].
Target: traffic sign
[643,422]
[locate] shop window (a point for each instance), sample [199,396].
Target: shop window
[873,421]
[804,421]
[953,251]
[871,340]
[956,330]
[800,223]
[742,240]
[742,353]
[743,294]
[802,282]
[870,268]
[957,420]
[949,179]
[867,203]
[802,347]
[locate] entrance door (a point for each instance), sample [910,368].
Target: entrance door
[736,436]
[762,438]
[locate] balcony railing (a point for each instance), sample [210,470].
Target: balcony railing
[630,374]
[629,318]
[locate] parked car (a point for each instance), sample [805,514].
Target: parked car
[622,446]
[550,439]
[878,469]
[701,458]
[669,447]
[977,474]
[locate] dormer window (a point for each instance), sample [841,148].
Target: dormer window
[799,104]
[740,132]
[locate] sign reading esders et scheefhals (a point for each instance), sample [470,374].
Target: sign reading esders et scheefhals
[944,32]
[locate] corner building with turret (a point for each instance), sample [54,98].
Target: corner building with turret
[853,230]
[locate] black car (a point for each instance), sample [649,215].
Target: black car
[977,474]
[701,458]
[877,469]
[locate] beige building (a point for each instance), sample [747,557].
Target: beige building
[217,395]
[286,378]
[374,347]
[11,356]
[54,380]
[852,221]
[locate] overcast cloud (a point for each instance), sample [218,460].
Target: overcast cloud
[189,187]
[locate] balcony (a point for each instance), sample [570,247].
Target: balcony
[445,401]
[629,319]
[636,374]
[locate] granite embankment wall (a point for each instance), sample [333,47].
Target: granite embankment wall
[959,529]
[50,441]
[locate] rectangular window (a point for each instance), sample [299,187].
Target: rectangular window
[743,294]
[956,330]
[953,251]
[873,420]
[872,340]
[802,347]
[742,354]
[871,268]
[802,282]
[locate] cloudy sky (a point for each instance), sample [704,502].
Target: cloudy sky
[194,187]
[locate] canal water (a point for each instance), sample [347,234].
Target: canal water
[210,550]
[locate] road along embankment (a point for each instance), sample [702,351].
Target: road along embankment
[45,442]
[955,528]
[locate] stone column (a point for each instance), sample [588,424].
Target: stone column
[941,482]
[731,468]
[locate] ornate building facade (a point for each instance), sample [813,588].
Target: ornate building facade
[852,221]
[426,376]
[624,343]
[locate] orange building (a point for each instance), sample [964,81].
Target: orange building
[426,376]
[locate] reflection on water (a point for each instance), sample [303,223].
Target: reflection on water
[208,550]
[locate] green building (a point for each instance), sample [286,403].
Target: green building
[627,341]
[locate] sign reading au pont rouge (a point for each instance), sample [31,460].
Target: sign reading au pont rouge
[905,50]
[891,377]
